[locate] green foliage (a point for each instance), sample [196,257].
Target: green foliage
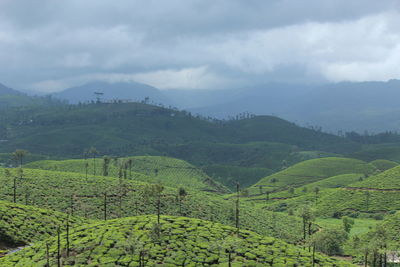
[330,241]
[181,242]
[347,224]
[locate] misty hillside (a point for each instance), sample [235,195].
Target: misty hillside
[10,98]
[370,106]
[4,90]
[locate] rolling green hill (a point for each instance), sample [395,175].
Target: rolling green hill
[85,196]
[177,241]
[154,169]
[383,164]
[310,171]
[126,128]
[21,224]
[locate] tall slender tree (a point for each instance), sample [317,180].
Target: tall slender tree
[93,151]
[19,155]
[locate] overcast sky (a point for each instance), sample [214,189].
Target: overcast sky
[49,45]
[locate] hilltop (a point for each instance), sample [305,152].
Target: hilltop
[112,91]
[176,241]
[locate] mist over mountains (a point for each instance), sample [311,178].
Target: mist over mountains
[364,106]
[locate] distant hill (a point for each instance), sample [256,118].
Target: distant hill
[112,91]
[10,98]
[128,128]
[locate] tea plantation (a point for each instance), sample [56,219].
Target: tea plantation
[311,171]
[154,169]
[99,197]
[175,241]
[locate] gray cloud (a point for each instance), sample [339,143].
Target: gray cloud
[196,44]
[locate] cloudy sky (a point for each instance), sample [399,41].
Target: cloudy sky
[49,45]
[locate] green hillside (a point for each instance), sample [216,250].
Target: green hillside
[370,152]
[383,164]
[176,241]
[153,169]
[230,174]
[376,194]
[310,171]
[85,196]
[293,198]
[21,224]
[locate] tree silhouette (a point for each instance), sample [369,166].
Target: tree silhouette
[106,164]
[93,151]
[19,155]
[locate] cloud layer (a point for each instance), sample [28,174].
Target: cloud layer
[197,44]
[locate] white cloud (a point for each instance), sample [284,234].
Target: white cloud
[187,78]
[196,44]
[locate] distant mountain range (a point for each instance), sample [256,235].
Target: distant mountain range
[365,106]
[112,91]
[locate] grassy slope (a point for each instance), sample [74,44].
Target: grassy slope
[67,192]
[21,224]
[167,171]
[311,171]
[181,242]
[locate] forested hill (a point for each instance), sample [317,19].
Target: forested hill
[138,128]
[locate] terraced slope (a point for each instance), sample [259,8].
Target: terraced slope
[154,169]
[73,192]
[176,241]
[21,224]
[310,171]
[378,193]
